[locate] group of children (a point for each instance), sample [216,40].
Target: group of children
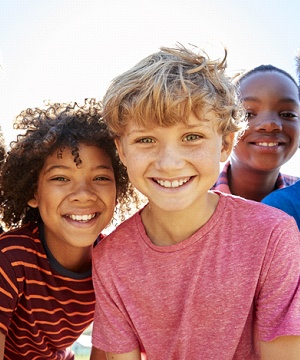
[200,271]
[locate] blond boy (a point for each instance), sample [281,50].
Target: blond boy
[195,274]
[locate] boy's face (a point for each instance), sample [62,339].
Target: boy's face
[272,104]
[75,203]
[173,166]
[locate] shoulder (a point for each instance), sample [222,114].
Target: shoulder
[120,249]
[253,225]
[29,231]
[287,180]
[124,235]
[286,194]
[254,213]
[21,242]
[22,254]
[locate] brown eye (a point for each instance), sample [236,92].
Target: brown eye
[59,178]
[250,115]
[288,115]
[102,178]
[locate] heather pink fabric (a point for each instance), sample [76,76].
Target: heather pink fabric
[209,297]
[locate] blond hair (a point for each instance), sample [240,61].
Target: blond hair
[166,87]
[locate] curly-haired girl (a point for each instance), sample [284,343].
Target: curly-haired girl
[60,184]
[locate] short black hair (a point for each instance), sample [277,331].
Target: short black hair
[265,68]
[2,146]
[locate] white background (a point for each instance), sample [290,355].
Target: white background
[66,50]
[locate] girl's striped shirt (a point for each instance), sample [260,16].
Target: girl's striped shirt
[43,306]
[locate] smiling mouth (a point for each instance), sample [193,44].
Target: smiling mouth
[82,218]
[172,184]
[267,144]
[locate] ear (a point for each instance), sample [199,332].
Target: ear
[228,142]
[121,151]
[33,202]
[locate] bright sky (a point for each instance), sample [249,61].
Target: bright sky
[66,50]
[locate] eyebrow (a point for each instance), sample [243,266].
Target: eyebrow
[64,167]
[138,131]
[286,100]
[201,123]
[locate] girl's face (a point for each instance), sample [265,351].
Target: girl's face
[75,203]
[271,101]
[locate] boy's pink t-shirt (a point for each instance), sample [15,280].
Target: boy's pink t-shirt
[211,296]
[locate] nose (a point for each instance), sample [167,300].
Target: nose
[169,158]
[82,192]
[268,122]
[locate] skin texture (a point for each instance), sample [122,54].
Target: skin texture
[174,167]
[97,354]
[271,101]
[65,190]
[282,348]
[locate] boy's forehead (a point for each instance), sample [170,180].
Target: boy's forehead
[192,121]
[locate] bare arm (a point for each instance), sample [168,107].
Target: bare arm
[2,345]
[97,354]
[282,348]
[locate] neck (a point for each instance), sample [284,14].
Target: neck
[81,261]
[165,228]
[251,184]
[75,259]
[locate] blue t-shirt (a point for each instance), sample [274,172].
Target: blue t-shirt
[287,199]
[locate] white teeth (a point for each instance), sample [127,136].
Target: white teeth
[172,184]
[269,144]
[82,217]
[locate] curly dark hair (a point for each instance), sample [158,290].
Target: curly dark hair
[58,126]
[2,146]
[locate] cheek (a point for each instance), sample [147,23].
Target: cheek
[249,130]
[294,131]
[136,160]
[135,172]
[109,196]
